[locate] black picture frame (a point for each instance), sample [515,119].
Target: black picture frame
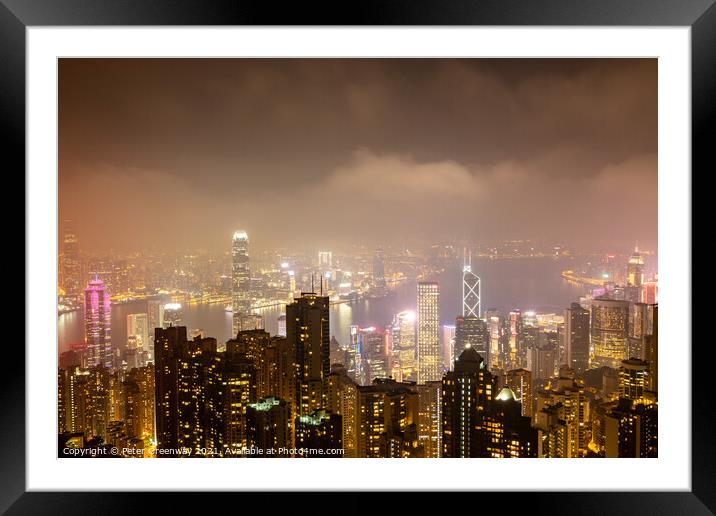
[700,15]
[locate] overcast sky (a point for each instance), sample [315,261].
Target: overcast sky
[178,153]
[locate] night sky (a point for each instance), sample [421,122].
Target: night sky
[177,153]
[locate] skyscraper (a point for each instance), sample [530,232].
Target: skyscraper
[307,330]
[470,289]
[502,431]
[472,332]
[465,391]
[576,334]
[406,344]
[635,269]
[609,329]
[98,321]
[70,270]
[240,278]
[429,369]
[387,419]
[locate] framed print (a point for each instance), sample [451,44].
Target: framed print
[418,242]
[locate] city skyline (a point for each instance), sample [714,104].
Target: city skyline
[373,258]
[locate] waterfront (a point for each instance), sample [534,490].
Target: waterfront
[528,284]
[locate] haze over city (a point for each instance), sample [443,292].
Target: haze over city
[175,154]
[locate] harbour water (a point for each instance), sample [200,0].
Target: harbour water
[524,283]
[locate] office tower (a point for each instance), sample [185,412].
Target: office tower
[325,260]
[138,327]
[98,321]
[430,418]
[520,382]
[407,344]
[576,332]
[561,417]
[71,270]
[541,360]
[502,431]
[173,314]
[342,399]
[281,325]
[448,344]
[319,431]
[633,379]
[631,430]
[155,314]
[472,332]
[371,356]
[248,321]
[651,354]
[267,426]
[307,330]
[514,331]
[465,391]
[635,269]
[641,325]
[609,327]
[387,420]
[470,289]
[428,332]
[495,330]
[240,278]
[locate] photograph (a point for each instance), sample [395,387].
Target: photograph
[357,258]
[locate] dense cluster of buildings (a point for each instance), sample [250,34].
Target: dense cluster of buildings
[576,384]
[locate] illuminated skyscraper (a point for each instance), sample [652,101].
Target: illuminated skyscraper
[562,417]
[635,269]
[502,431]
[307,330]
[406,344]
[388,419]
[576,334]
[633,379]
[472,332]
[98,321]
[609,329]
[448,344]
[465,392]
[470,289]
[342,399]
[70,270]
[155,314]
[240,278]
[429,369]
[430,418]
